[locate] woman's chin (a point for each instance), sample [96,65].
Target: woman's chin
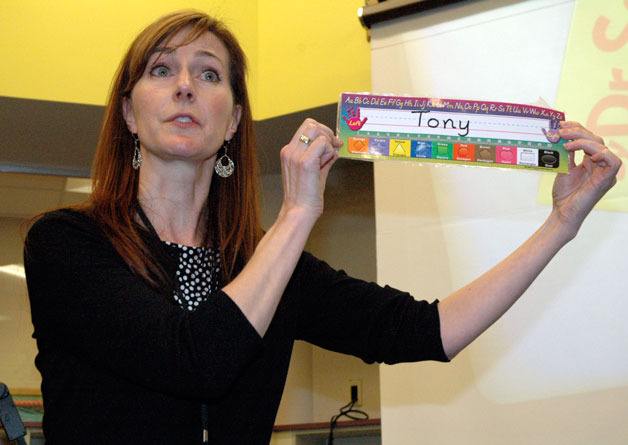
[189,151]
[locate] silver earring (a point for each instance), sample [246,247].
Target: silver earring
[224,165]
[137,154]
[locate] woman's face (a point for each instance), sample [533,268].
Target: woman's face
[182,107]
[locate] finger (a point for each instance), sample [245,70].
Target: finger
[329,153]
[587,163]
[589,146]
[600,159]
[321,148]
[307,129]
[310,134]
[315,150]
[607,158]
[296,157]
[326,153]
[567,124]
[311,129]
[333,139]
[578,132]
[315,128]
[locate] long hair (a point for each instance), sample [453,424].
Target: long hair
[232,208]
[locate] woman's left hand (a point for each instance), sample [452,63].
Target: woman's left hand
[576,193]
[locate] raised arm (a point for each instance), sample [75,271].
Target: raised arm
[469,311]
[305,164]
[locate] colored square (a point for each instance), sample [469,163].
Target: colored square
[527,156]
[506,154]
[485,153]
[421,149]
[464,152]
[549,158]
[378,146]
[358,145]
[400,147]
[442,150]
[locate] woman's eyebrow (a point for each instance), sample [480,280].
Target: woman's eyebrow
[162,50]
[206,53]
[170,50]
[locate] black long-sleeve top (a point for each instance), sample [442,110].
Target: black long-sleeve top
[124,363]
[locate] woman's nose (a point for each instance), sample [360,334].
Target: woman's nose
[185,89]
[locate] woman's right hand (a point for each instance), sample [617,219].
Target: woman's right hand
[305,167]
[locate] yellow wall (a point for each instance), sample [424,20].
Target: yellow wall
[309,52]
[68,51]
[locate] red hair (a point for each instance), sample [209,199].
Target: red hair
[232,214]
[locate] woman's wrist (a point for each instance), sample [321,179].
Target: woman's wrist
[562,230]
[302,216]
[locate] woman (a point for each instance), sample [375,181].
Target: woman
[163,313]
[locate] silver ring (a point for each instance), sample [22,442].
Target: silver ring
[306,140]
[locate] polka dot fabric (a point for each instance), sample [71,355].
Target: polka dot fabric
[197,274]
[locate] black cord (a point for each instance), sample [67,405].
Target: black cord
[345,411]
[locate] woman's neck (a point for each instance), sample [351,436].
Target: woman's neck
[174,197]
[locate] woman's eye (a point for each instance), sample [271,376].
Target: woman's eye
[210,75]
[160,71]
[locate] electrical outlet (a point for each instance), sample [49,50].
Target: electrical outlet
[355,391]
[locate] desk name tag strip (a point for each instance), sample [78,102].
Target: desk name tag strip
[450,131]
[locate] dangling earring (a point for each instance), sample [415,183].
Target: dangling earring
[224,165]
[137,154]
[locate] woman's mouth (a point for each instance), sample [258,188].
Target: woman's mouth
[183,121]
